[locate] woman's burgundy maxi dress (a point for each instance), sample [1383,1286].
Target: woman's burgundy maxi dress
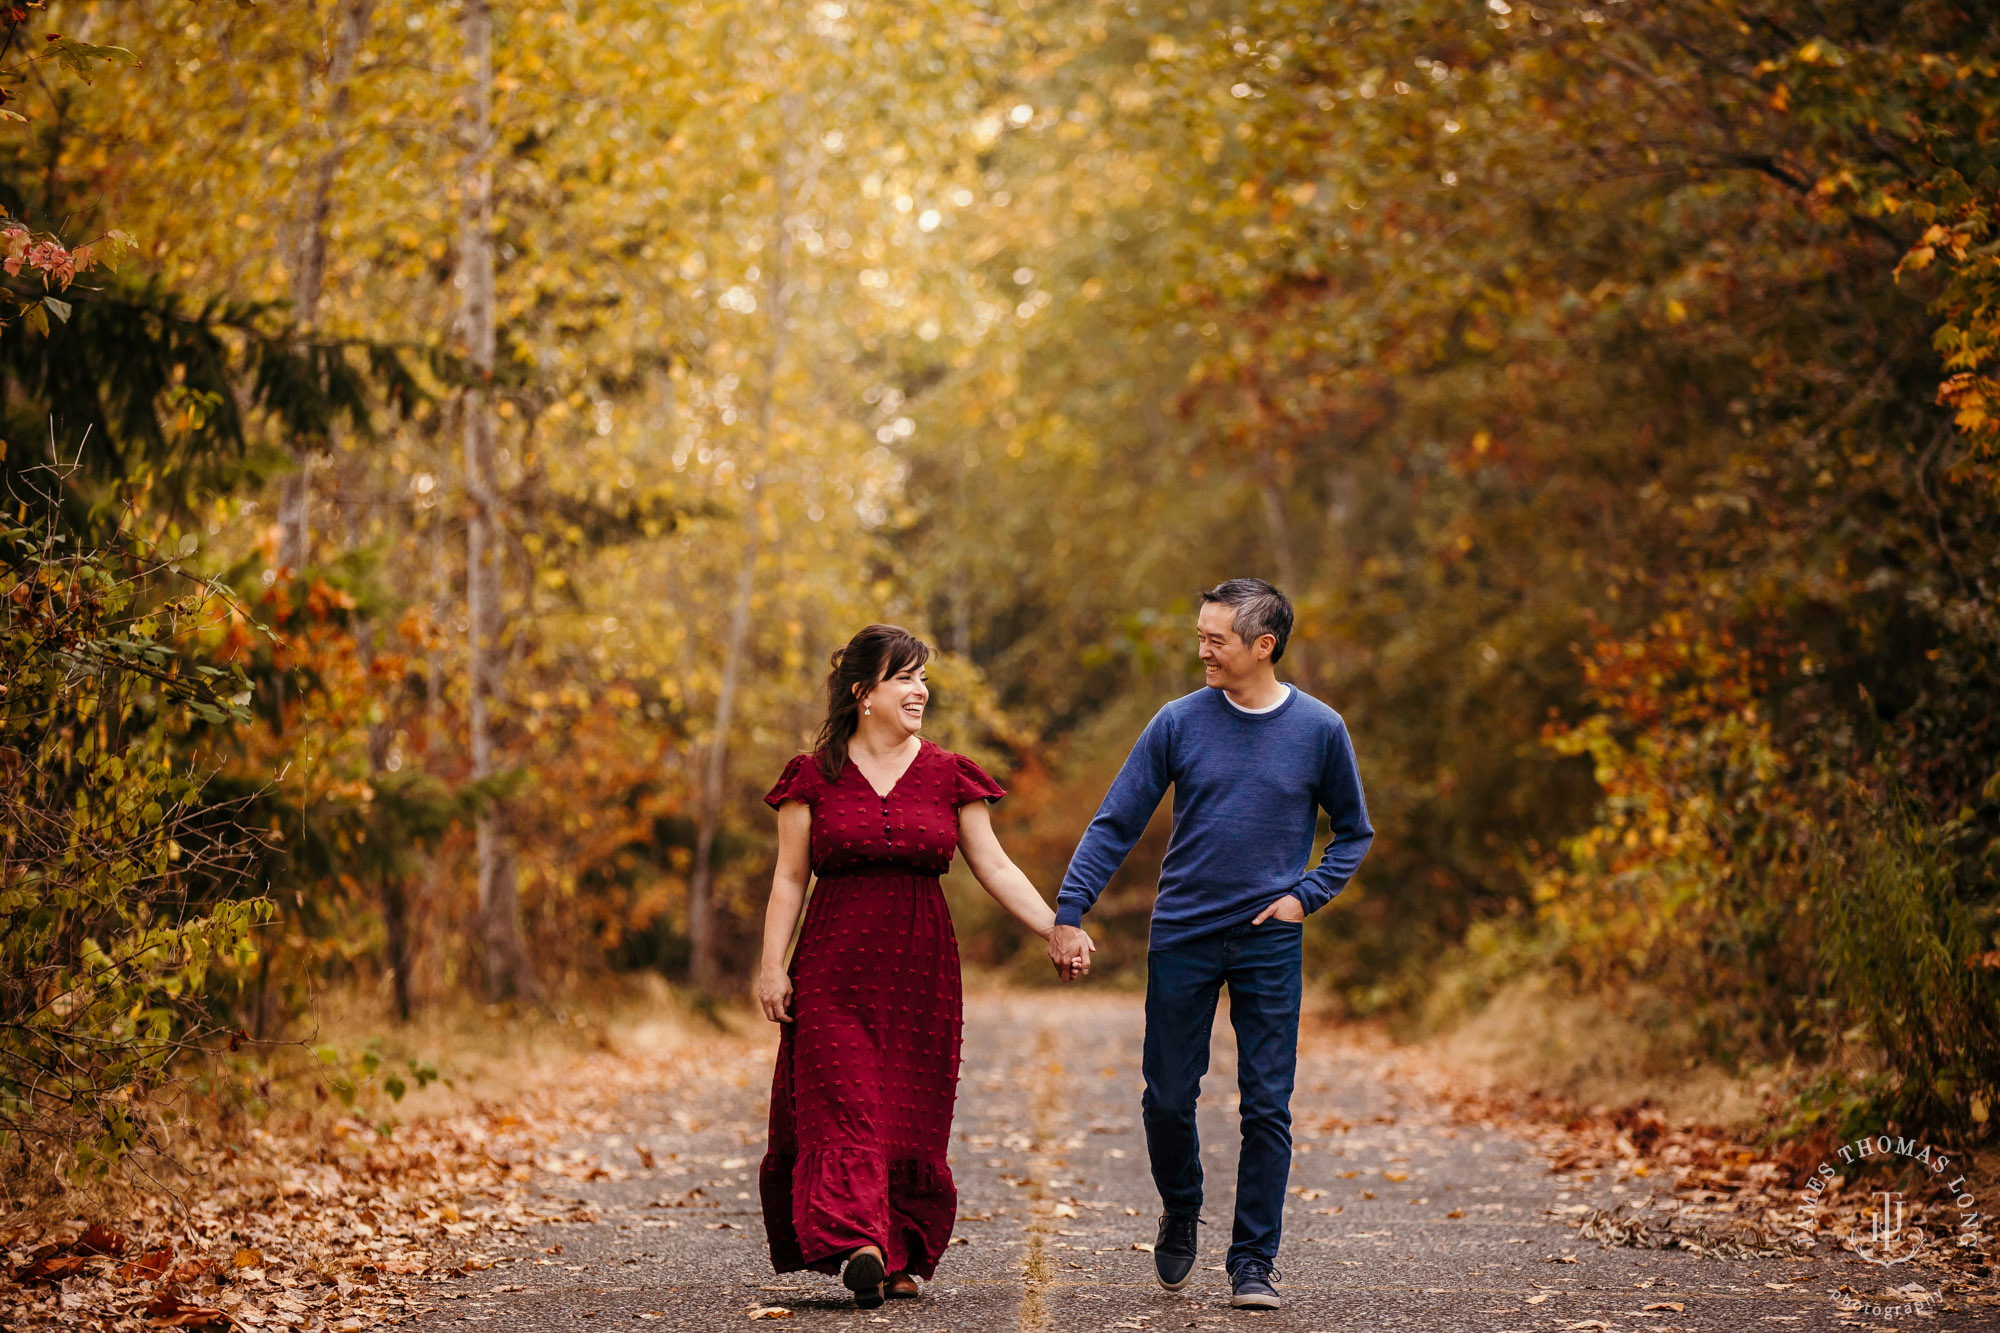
[861,1101]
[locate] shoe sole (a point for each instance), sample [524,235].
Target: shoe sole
[1256,1302]
[1174,1286]
[864,1276]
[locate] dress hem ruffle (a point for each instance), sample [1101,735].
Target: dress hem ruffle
[835,1183]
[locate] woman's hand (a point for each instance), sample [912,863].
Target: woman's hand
[774,992]
[1070,949]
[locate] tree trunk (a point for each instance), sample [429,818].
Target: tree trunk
[1298,663]
[441,588]
[505,960]
[396,941]
[961,576]
[715,772]
[393,891]
[309,266]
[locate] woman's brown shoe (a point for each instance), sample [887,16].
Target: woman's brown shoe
[864,1276]
[902,1287]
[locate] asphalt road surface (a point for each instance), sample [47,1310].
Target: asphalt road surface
[1399,1218]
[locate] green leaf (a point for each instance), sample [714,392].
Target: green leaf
[76,56]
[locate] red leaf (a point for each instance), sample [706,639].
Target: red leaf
[100,1239]
[50,1268]
[148,1265]
[170,1310]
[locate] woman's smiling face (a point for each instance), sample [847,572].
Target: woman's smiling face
[900,697]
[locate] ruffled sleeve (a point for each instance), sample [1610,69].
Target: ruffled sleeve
[799,782]
[970,783]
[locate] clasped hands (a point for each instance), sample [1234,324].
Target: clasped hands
[1070,948]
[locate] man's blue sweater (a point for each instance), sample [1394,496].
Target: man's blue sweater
[1248,789]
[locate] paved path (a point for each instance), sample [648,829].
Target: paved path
[1399,1219]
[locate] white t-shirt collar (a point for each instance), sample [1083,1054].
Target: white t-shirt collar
[1254,712]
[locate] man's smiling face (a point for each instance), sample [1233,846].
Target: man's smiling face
[1228,662]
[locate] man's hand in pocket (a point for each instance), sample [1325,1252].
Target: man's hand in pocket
[1286,908]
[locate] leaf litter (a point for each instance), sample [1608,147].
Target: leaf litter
[348,1226]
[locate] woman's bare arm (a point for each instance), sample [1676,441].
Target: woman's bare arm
[781,915]
[1001,878]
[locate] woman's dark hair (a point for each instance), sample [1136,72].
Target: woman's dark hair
[870,657]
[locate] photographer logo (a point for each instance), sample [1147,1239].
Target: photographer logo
[1895,1229]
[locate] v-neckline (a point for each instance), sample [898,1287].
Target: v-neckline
[885,795]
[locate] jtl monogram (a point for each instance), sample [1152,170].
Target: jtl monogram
[1886,1228]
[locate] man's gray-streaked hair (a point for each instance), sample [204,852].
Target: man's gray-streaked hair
[1260,610]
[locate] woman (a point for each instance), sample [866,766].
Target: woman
[855,1181]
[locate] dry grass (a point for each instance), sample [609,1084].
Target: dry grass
[1534,1038]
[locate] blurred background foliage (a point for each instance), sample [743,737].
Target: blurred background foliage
[538,391]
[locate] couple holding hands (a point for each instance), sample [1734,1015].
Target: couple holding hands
[855,1180]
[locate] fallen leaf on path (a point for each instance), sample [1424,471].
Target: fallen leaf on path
[248,1258]
[1142,1246]
[1537,1300]
[190,1271]
[1456,1212]
[51,1268]
[100,1239]
[1675,1306]
[769,1312]
[171,1311]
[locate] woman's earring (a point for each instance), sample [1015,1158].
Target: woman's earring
[866,708]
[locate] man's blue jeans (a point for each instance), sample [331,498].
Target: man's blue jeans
[1260,965]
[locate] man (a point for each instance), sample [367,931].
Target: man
[1252,761]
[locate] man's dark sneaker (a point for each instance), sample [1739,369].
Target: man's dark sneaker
[1250,1286]
[1173,1251]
